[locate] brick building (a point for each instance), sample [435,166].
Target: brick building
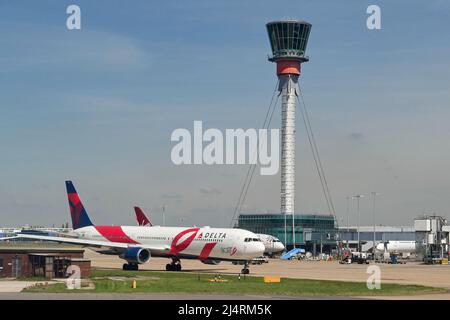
[44,263]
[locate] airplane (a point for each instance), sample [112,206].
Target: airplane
[272,244]
[397,247]
[137,244]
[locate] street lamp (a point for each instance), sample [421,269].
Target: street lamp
[164,214]
[285,231]
[357,197]
[348,221]
[374,196]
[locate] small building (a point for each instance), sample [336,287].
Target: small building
[42,262]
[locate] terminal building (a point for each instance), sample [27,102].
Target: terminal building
[313,232]
[382,233]
[432,238]
[318,233]
[349,235]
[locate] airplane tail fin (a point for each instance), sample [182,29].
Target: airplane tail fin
[141,217]
[78,213]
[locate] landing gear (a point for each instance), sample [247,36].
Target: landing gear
[174,266]
[130,267]
[246,270]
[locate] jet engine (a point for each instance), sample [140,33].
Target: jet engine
[136,255]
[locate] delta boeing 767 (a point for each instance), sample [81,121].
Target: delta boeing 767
[272,244]
[137,244]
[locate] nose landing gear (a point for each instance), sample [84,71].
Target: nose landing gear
[174,266]
[246,270]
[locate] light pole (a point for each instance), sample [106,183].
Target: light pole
[285,227]
[293,230]
[164,214]
[358,196]
[374,195]
[348,220]
[285,231]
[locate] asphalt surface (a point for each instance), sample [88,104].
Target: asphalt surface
[144,296]
[410,273]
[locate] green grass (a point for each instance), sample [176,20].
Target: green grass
[165,282]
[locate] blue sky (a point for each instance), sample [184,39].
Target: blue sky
[98,106]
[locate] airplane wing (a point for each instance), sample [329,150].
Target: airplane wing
[8,238]
[92,243]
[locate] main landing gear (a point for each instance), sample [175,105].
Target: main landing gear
[130,267]
[246,270]
[174,266]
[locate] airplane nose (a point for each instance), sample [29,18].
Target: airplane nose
[279,246]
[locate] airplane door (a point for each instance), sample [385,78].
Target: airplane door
[244,244]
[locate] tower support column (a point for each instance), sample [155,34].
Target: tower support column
[288,89]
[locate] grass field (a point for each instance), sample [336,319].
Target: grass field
[117,281]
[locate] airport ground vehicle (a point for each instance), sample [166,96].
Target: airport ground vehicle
[349,257]
[360,258]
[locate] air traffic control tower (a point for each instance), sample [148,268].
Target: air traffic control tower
[288,40]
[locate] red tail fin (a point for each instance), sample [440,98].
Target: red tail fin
[141,218]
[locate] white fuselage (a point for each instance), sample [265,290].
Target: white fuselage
[397,247]
[198,243]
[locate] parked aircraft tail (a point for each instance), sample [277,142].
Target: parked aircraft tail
[78,213]
[141,217]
